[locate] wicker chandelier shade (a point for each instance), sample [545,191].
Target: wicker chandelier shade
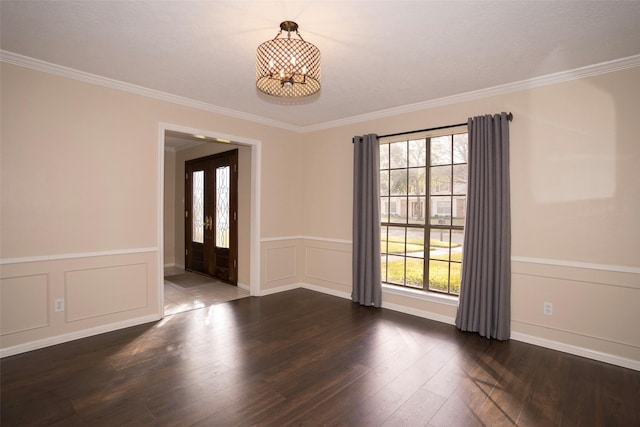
[288,67]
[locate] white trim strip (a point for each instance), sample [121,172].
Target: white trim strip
[59,339]
[284,288]
[422,295]
[59,70]
[578,73]
[578,351]
[76,255]
[279,239]
[326,291]
[577,264]
[419,313]
[580,334]
[320,239]
[531,260]
[565,76]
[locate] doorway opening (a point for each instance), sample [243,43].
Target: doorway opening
[177,145]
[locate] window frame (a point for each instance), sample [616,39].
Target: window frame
[429,206]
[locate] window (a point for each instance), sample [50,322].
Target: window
[423,192]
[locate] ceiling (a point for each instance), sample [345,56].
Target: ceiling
[376,55]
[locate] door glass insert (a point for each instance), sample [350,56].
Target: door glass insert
[197,234]
[222,207]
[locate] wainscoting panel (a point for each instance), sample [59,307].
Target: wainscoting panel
[279,264]
[329,265]
[24,303]
[97,292]
[594,307]
[100,292]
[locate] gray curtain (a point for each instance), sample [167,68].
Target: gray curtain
[485,291]
[367,282]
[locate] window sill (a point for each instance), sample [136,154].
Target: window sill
[417,294]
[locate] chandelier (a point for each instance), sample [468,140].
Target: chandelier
[288,67]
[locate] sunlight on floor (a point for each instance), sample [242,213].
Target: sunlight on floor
[178,299]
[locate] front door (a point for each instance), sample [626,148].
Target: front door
[211,216]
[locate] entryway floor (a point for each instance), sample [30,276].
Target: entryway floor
[178,299]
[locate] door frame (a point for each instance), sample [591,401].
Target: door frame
[254,215]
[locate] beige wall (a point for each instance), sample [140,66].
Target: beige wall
[80,200]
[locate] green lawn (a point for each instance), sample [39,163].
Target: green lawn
[438,272]
[395,244]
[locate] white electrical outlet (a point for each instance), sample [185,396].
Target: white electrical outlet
[58,305]
[547,309]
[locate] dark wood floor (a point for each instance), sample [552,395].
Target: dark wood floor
[305,358]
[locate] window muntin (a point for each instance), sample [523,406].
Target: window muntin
[423,192]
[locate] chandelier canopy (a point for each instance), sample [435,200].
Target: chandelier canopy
[288,67]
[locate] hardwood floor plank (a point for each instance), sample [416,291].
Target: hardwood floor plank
[545,404]
[36,406]
[597,398]
[307,359]
[514,369]
[389,400]
[466,351]
[454,412]
[417,410]
[617,385]
[295,410]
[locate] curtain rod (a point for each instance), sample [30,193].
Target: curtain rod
[509,117]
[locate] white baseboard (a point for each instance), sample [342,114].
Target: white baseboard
[174,265]
[390,306]
[419,313]
[270,291]
[244,286]
[59,339]
[316,288]
[577,351]
[516,336]
[324,290]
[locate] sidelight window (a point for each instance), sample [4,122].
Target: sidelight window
[198,207]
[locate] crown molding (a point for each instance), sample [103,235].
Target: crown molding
[59,70]
[564,76]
